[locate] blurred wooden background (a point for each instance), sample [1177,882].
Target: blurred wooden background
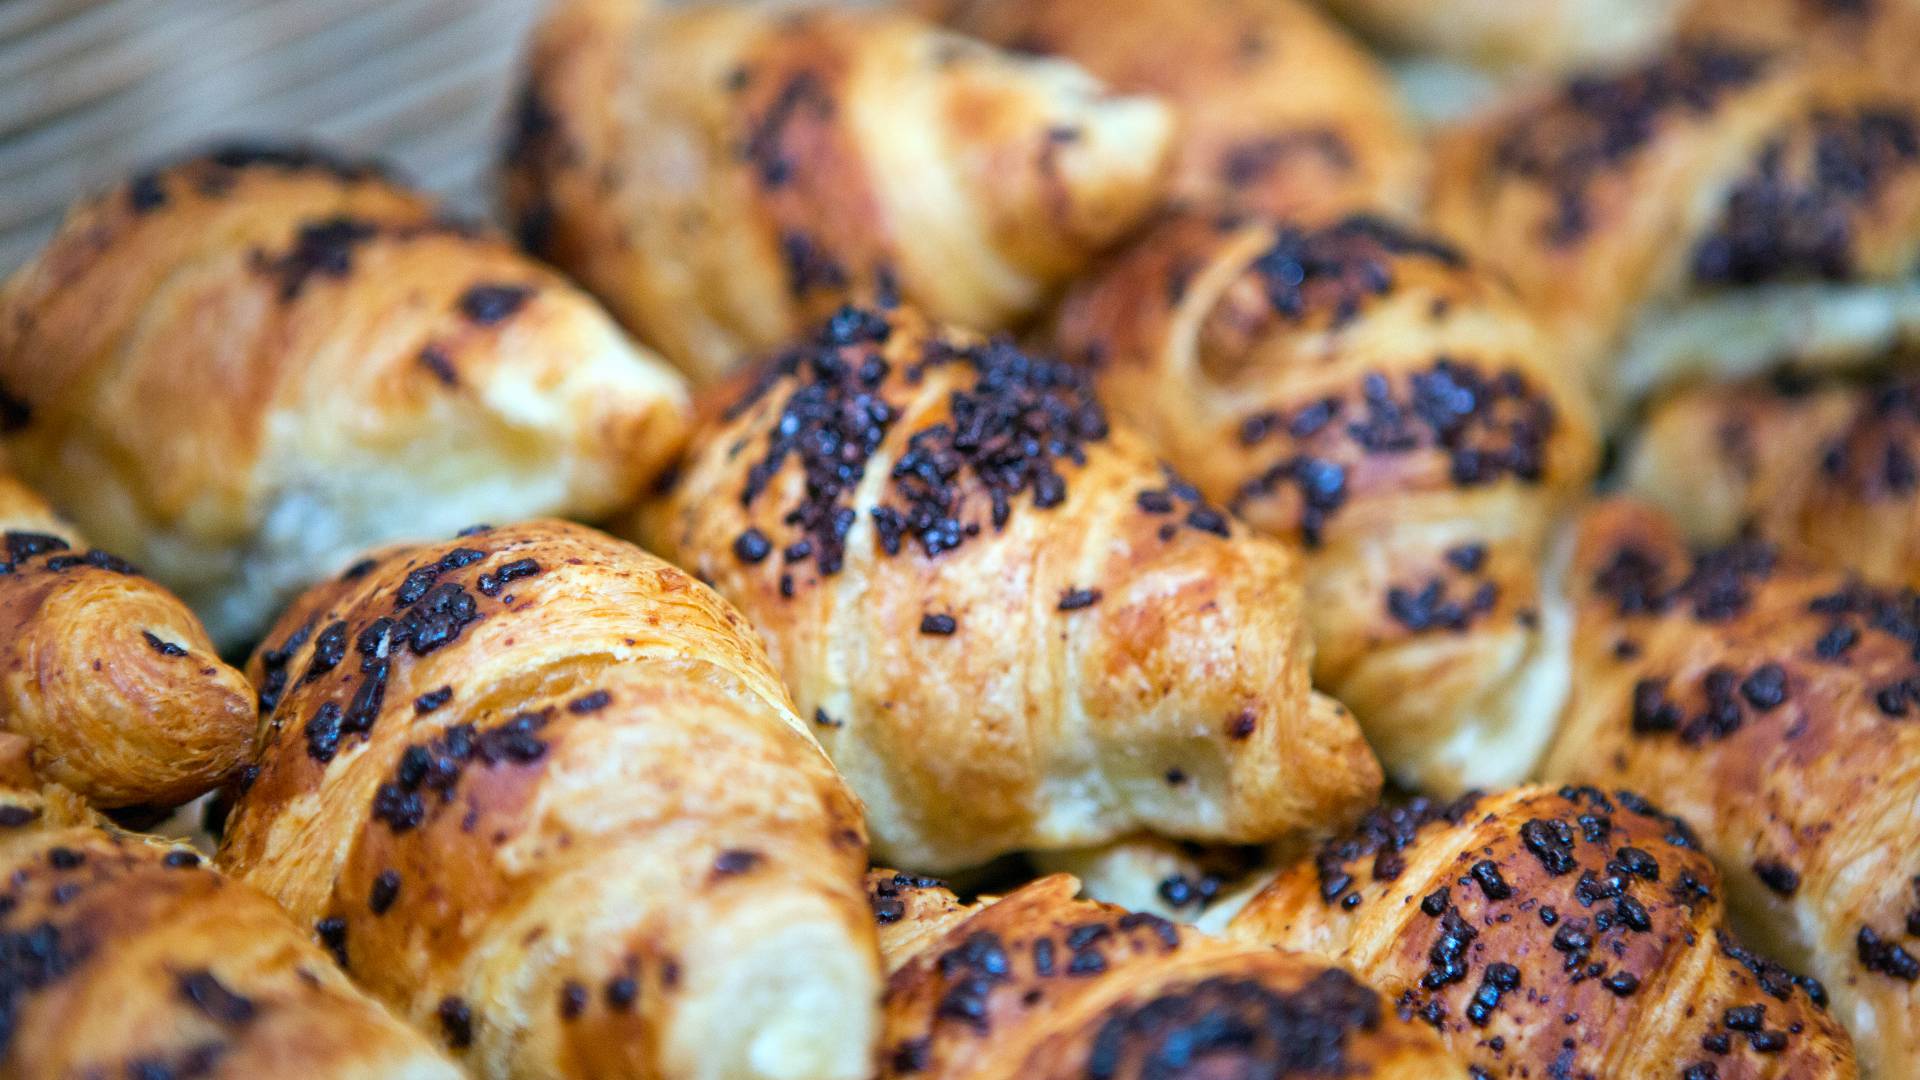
[91,89]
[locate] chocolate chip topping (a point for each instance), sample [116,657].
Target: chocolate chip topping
[1597,122]
[1792,217]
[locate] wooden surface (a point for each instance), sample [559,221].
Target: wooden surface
[92,89]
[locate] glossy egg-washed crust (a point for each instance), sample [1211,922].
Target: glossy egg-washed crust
[1362,392]
[1830,471]
[724,176]
[541,792]
[1039,984]
[127,957]
[1572,934]
[1713,167]
[1530,36]
[1012,627]
[241,369]
[108,684]
[1774,706]
[1279,110]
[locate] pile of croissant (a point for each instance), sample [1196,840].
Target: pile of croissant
[993,539]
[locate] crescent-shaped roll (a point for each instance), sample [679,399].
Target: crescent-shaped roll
[1363,393]
[725,176]
[1531,36]
[1828,470]
[542,793]
[239,370]
[1712,211]
[1772,704]
[1280,111]
[1571,933]
[128,957]
[1012,627]
[1041,985]
[106,679]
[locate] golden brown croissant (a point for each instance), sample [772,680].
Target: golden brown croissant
[1772,704]
[127,957]
[1526,36]
[1831,471]
[1714,210]
[1012,628]
[542,793]
[1544,933]
[1038,984]
[242,369]
[724,177]
[1360,391]
[106,680]
[1280,111]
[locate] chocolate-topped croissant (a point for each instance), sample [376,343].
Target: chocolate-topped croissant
[1040,985]
[108,684]
[1830,470]
[1772,703]
[1571,933]
[241,369]
[1279,111]
[1363,392]
[1717,209]
[543,794]
[1012,627]
[128,957]
[724,176]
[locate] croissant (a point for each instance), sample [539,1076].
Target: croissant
[1530,37]
[1769,702]
[1011,627]
[725,176]
[1570,933]
[239,370]
[1829,470]
[1362,392]
[541,792]
[108,684]
[1038,984]
[1280,111]
[127,957]
[1712,211]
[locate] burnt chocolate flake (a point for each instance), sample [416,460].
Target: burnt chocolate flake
[386,889]
[1777,876]
[1075,599]
[215,1000]
[456,1022]
[1885,957]
[488,305]
[161,646]
[321,249]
